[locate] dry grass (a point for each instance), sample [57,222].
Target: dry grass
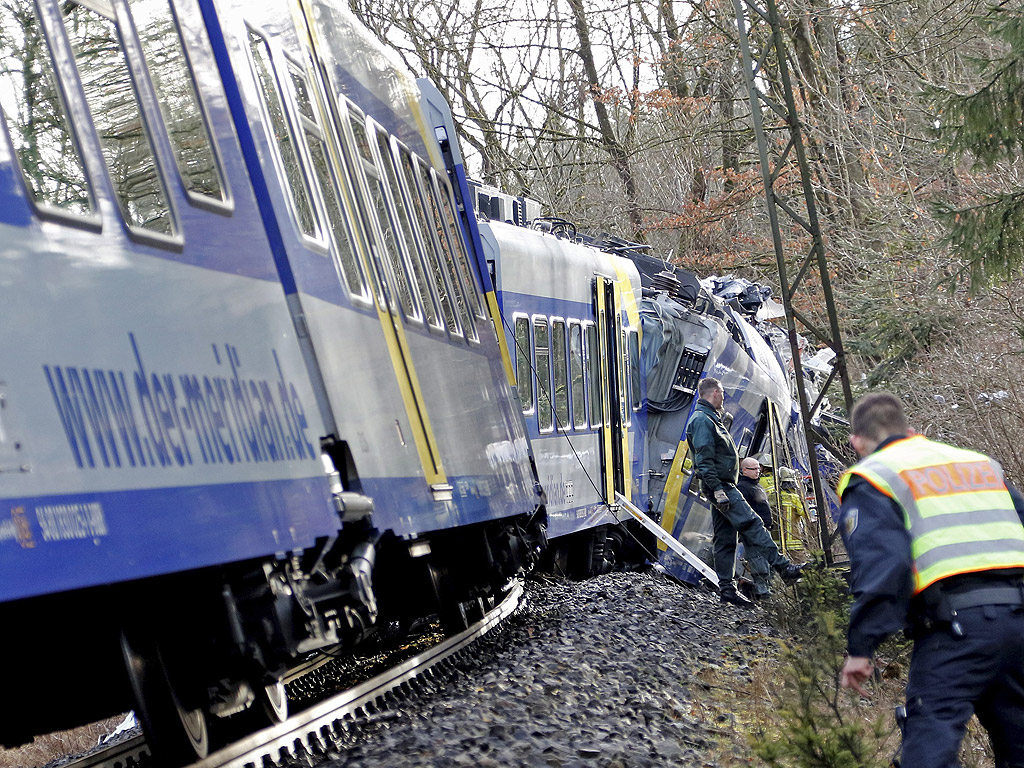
[748,707]
[53,746]
[741,707]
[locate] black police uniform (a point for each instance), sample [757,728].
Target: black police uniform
[968,633]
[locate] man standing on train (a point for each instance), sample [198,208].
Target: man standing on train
[717,464]
[936,544]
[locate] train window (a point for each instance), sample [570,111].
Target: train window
[399,206]
[559,363]
[36,119]
[351,271]
[576,379]
[328,184]
[401,170]
[449,263]
[303,98]
[430,246]
[634,369]
[542,366]
[594,374]
[368,236]
[289,157]
[459,246]
[415,173]
[383,216]
[176,92]
[110,94]
[743,447]
[362,142]
[524,374]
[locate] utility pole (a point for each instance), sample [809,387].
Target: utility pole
[766,72]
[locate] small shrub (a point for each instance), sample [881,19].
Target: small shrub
[54,746]
[819,725]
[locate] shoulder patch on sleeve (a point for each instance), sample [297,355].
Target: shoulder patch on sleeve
[850,520]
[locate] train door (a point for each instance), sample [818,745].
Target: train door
[405,296]
[612,429]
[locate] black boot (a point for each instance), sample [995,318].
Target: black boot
[730,595]
[792,573]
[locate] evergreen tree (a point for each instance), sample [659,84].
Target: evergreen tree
[987,124]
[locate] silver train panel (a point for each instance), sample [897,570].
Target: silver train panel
[540,276]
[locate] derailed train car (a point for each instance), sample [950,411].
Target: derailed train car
[689,334]
[684,333]
[252,401]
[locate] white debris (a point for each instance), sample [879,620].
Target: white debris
[128,724]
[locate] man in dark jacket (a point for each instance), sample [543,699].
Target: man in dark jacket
[717,464]
[755,495]
[753,570]
[936,543]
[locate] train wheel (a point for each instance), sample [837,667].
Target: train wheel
[586,554]
[476,609]
[453,618]
[451,612]
[614,550]
[270,707]
[176,735]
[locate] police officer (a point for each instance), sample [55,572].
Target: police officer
[936,544]
[717,464]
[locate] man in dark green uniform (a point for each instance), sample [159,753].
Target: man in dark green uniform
[717,464]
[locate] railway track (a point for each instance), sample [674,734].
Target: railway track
[313,732]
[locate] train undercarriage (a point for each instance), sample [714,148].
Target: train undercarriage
[201,656]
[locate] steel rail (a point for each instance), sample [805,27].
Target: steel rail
[315,730]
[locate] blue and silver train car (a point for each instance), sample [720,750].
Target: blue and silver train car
[690,334]
[572,325]
[251,400]
[673,332]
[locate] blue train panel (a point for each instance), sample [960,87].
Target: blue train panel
[150,369]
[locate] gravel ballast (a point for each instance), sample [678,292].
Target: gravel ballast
[602,672]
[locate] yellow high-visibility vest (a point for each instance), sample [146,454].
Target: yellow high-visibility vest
[790,514]
[956,508]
